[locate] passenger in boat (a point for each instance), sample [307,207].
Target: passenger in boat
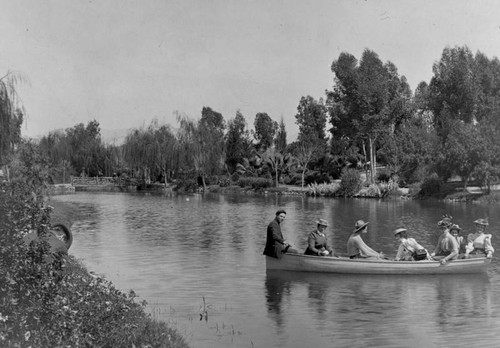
[276,245]
[409,249]
[447,246]
[455,231]
[479,243]
[357,248]
[317,242]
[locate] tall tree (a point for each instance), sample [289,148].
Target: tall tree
[211,128]
[366,101]
[311,119]
[87,150]
[453,90]
[280,139]
[265,129]
[238,143]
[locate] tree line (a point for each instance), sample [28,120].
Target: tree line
[448,127]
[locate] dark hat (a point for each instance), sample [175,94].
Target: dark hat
[482,222]
[360,224]
[281,211]
[399,230]
[322,222]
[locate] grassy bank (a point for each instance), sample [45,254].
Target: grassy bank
[56,302]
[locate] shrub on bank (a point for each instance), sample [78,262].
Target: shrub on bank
[431,185]
[350,182]
[56,302]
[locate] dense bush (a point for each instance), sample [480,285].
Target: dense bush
[431,185]
[255,183]
[187,185]
[350,182]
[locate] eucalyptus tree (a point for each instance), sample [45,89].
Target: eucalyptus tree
[11,113]
[311,119]
[367,100]
[453,90]
[264,130]
[464,98]
[411,150]
[464,149]
[312,142]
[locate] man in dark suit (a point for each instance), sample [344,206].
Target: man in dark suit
[276,245]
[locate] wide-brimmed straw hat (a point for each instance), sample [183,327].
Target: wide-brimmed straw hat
[399,230]
[483,222]
[455,227]
[360,224]
[322,222]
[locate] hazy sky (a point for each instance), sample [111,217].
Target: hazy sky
[125,62]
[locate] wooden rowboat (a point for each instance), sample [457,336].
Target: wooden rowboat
[306,263]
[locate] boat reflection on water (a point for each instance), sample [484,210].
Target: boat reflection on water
[434,305]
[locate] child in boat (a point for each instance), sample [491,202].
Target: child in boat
[455,232]
[317,242]
[479,243]
[357,248]
[409,249]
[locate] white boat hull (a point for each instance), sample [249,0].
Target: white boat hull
[306,263]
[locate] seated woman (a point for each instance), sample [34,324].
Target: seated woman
[479,243]
[409,249]
[317,243]
[356,247]
[447,246]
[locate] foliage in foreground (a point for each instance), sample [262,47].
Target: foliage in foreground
[57,303]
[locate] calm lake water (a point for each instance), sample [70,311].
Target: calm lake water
[188,255]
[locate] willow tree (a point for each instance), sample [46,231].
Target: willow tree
[140,152]
[191,156]
[11,114]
